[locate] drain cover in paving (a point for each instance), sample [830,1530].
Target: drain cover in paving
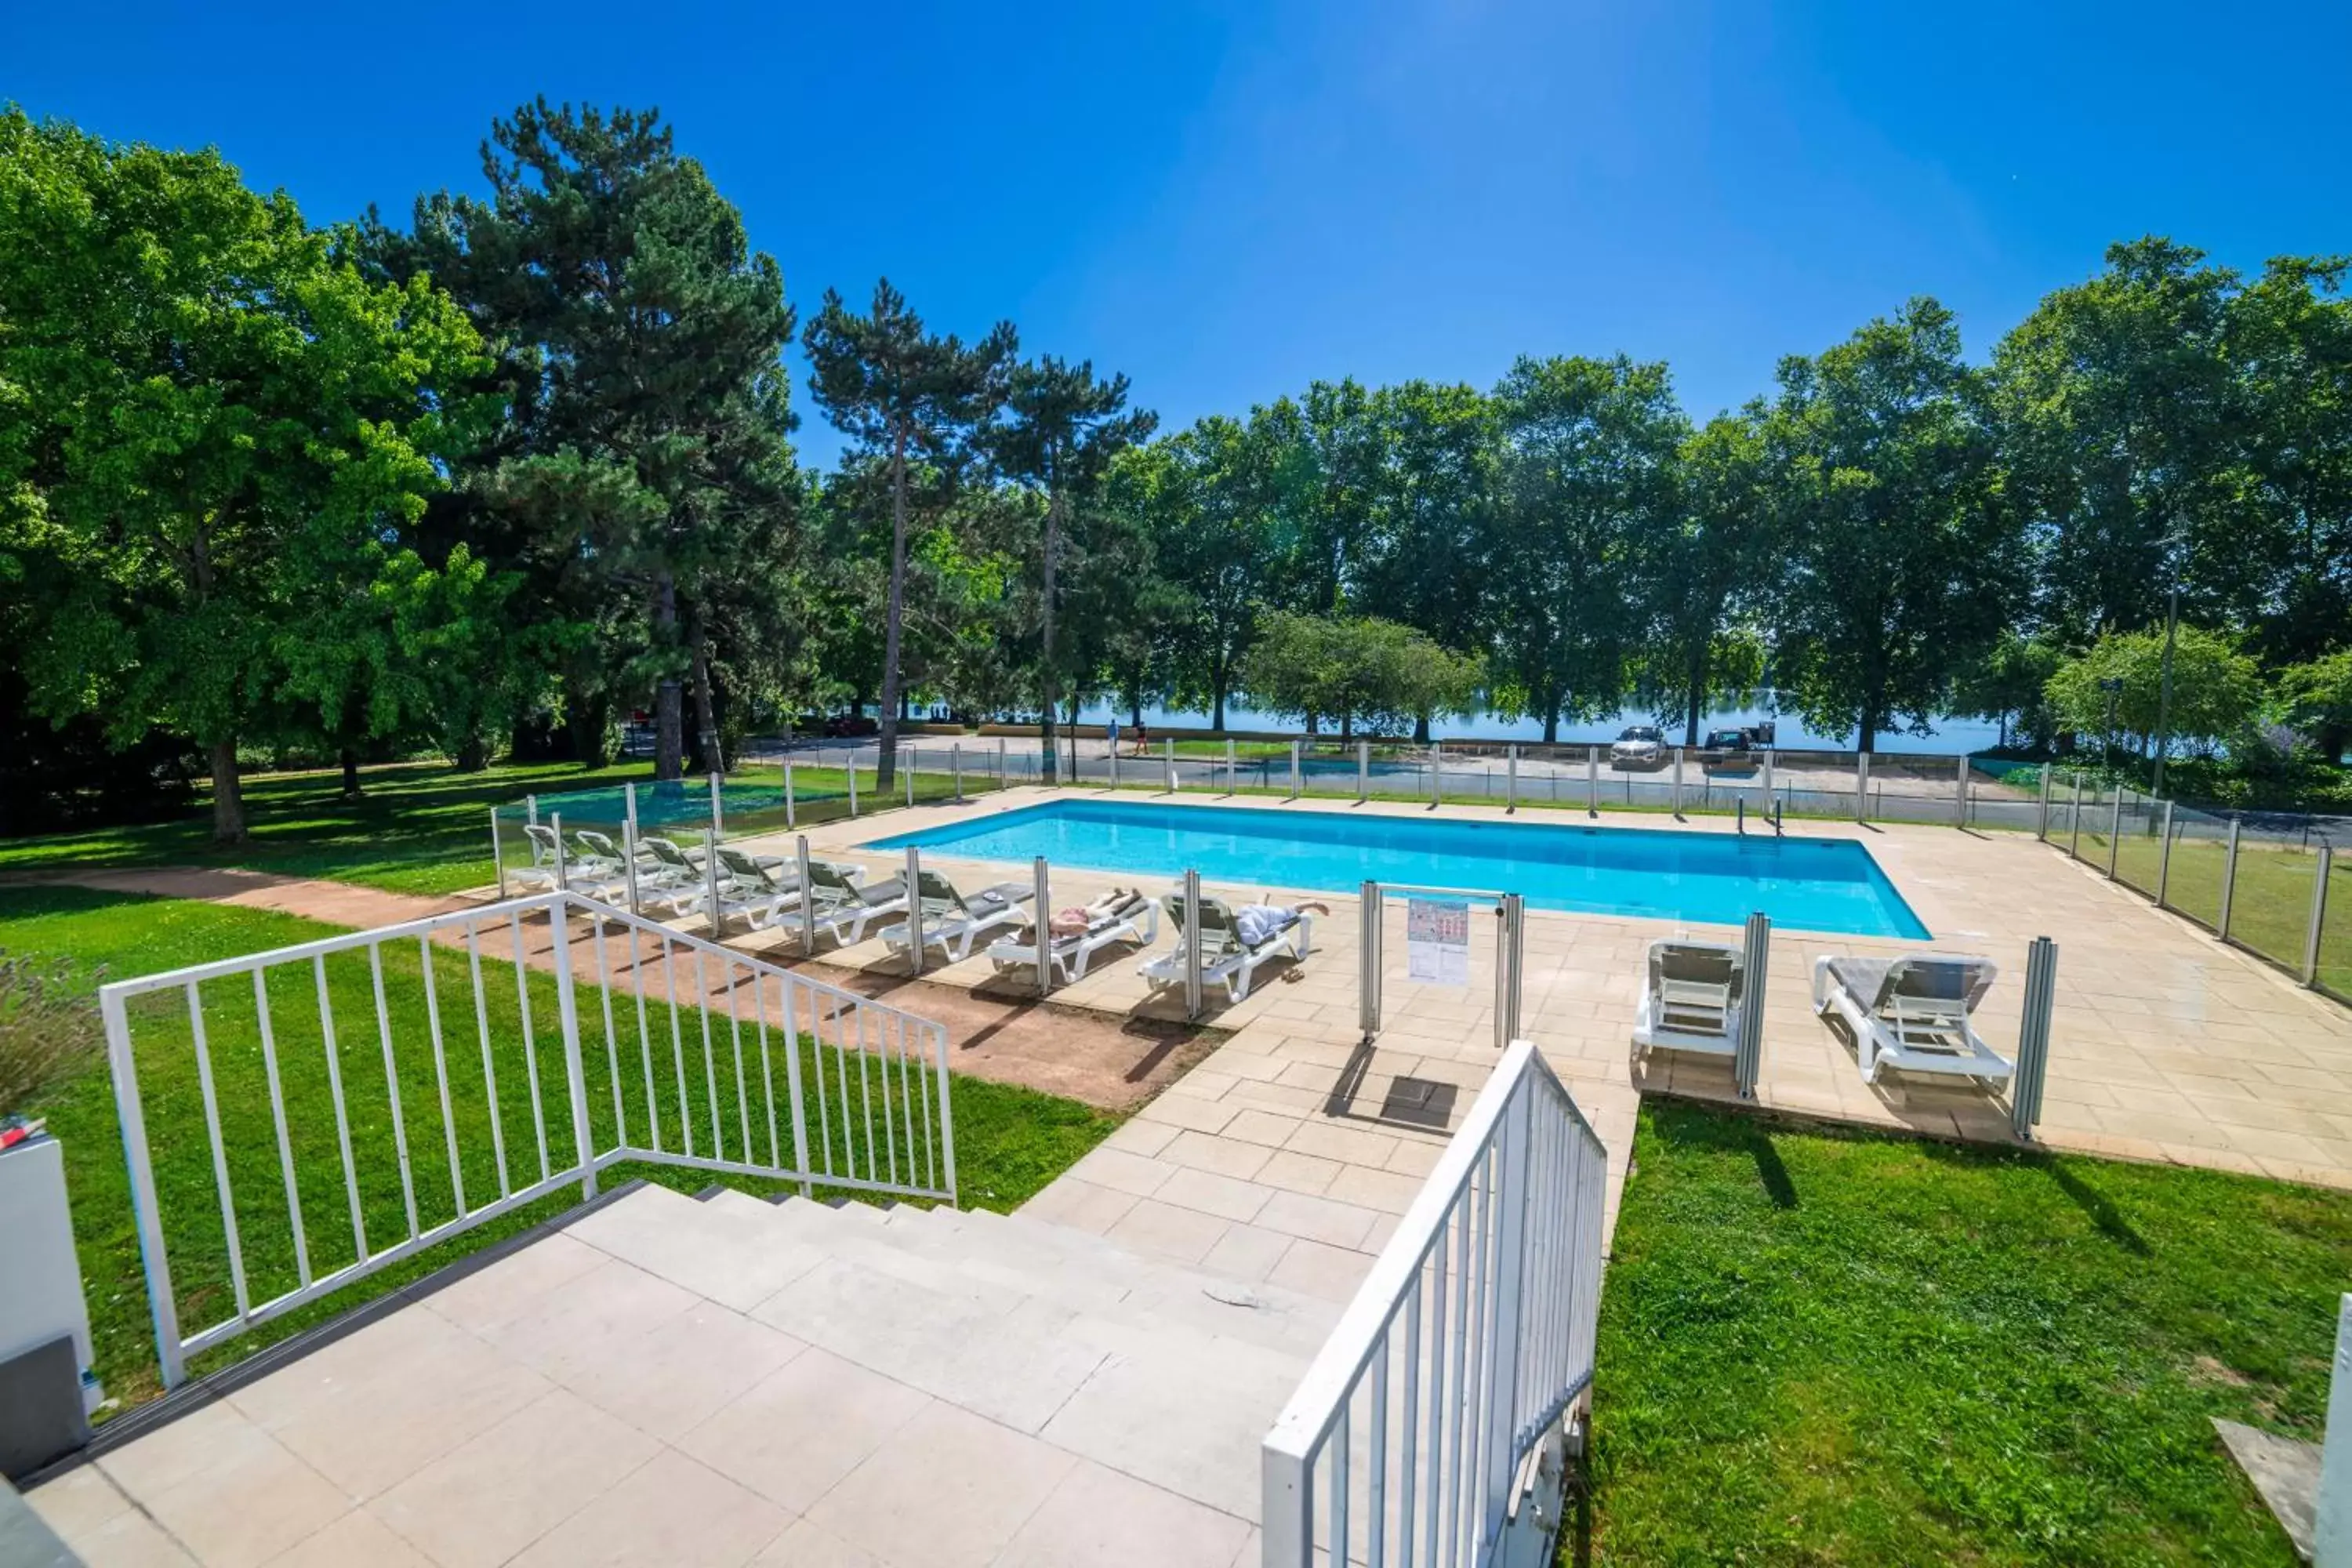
[1419,1102]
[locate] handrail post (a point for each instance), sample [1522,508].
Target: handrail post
[1747,1064]
[2115,831]
[2164,857]
[163,1305]
[1192,944]
[1363,771]
[2041,826]
[1368,962]
[1511,1194]
[583,1143]
[498,855]
[1511,778]
[1294,770]
[790,814]
[1038,923]
[914,911]
[2229,882]
[2033,1038]
[2318,914]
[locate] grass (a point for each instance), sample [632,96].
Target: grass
[2270,901]
[1009,1142]
[1839,1347]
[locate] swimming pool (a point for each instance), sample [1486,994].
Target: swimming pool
[1714,879]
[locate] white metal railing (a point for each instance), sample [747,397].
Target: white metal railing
[796,1081]
[1415,1431]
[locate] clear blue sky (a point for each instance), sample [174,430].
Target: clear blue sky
[1228,201]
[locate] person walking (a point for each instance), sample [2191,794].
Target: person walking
[1142,737]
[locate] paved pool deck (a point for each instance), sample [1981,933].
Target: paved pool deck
[2166,1045]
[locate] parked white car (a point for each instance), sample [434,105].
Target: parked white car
[1642,746]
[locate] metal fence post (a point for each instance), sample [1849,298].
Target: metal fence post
[1768,772]
[1368,961]
[629,850]
[2164,857]
[2332,1529]
[2229,880]
[2033,1037]
[562,872]
[1748,1062]
[1002,782]
[1114,767]
[1591,781]
[1510,952]
[710,883]
[629,800]
[531,809]
[853,781]
[808,895]
[1678,808]
[1862,787]
[1363,770]
[1231,785]
[909,771]
[1192,944]
[1039,920]
[1294,770]
[2115,831]
[2075,825]
[1170,753]
[1511,778]
[955,766]
[163,1304]
[2041,824]
[718,817]
[1510,1222]
[558,916]
[1961,805]
[2318,914]
[915,910]
[789,812]
[498,855]
[1436,774]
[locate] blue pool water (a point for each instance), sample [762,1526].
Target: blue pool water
[1714,879]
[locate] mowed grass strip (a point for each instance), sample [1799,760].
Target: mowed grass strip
[1009,1142]
[1824,1346]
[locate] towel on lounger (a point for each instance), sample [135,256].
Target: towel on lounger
[1258,923]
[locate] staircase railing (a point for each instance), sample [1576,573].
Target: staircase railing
[396,1120]
[1411,1435]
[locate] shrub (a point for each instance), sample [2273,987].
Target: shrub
[49,1027]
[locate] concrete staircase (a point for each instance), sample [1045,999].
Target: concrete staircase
[1166,1374]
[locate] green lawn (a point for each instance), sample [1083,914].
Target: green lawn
[1839,1347]
[1009,1142]
[2270,902]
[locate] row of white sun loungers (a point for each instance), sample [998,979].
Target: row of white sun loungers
[1914,1014]
[764,892]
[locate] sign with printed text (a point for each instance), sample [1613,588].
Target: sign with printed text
[1438,941]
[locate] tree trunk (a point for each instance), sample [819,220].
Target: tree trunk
[473,755]
[669,718]
[886,766]
[1135,708]
[1219,705]
[351,760]
[1046,671]
[1346,728]
[1695,673]
[1551,726]
[705,712]
[228,794]
[1421,730]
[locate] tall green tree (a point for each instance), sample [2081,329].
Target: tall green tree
[2115,401]
[1587,478]
[907,397]
[1701,569]
[211,424]
[1062,432]
[649,454]
[2216,689]
[1428,553]
[1357,669]
[1903,561]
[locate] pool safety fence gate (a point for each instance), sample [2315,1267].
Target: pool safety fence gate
[1510,951]
[296,1120]
[2263,882]
[1433,1423]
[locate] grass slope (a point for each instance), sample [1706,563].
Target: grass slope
[1830,1347]
[1009,1142]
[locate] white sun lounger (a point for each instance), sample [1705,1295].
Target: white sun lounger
[952,922]
[1912,1013]
[1226,959]
[1691,999]
[842,907]
[1068,952]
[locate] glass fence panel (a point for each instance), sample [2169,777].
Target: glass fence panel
[2192,876]
[2139,843]
[2335,973]
[2270,897]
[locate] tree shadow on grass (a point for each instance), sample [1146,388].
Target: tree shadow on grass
[1770,1173]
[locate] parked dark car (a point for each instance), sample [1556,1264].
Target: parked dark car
[1728,752]
[842,725]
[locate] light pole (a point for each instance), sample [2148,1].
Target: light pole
[2164,684]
